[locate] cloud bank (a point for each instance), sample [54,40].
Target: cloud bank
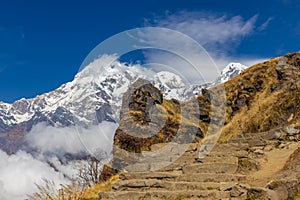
[20,171]
[71,140]
[49,146]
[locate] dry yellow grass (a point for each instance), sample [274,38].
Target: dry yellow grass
[48,191]
[91,193]
[297,196]
[269,101]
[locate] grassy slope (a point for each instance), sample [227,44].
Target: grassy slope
[269,102]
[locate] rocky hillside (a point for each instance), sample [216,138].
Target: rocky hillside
[264,97]
[257,154]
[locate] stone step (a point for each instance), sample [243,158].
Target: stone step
[244,197]
[210,177]
[270,135]
[158,195]
[252,142]
[152,184]
[231,146]
[178,165]
[162,165]
[223,159]
[148,166]
[210,168]
[151,175]
[215,157]
[172,167]
[257,142]
[163,161]
[227,149]
[238,154]
[185,159]
[238,140]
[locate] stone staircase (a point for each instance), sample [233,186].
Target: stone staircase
[222,174]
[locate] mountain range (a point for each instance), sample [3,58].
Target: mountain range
[93,96]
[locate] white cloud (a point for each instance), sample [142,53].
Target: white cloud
[252,61]
[20,171]
[192,71]
[68,140]
[222,61]
[219,34]
[178,52]
[265,24]
[207,28]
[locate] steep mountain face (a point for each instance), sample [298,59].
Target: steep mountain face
[95,95]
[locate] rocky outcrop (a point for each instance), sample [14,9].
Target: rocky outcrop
[140,121]
[147,119]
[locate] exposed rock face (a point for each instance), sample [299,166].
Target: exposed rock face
[137,131]
[139,101]
[140,123]
[147,119]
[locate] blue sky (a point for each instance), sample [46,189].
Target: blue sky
[43,43]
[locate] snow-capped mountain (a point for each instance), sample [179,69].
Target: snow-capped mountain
[230,71]
[95,95]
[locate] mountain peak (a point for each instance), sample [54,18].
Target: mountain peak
[230,71]
[233,66]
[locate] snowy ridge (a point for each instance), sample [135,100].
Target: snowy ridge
[230,71]
[95,94]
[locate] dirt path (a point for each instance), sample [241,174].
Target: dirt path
[272,164]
